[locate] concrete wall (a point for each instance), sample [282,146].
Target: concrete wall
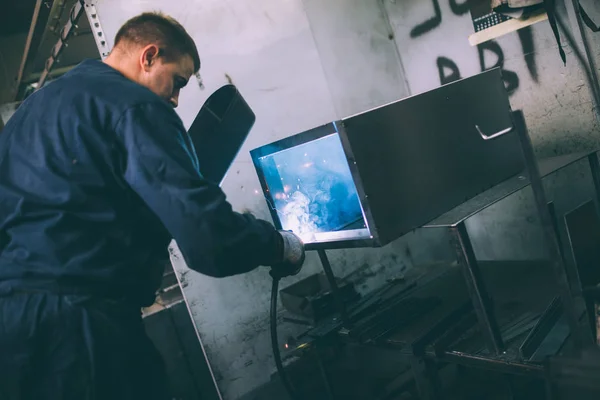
[303,63]
[555,98]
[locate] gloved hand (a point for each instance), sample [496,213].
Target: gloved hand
[293,256]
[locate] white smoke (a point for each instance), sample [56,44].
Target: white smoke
[296,217]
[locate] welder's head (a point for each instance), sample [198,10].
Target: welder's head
[155,51]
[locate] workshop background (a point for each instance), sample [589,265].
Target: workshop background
[303,63]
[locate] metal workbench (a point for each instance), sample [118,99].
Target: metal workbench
[470,313]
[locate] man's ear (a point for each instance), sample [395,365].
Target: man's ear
[149,56]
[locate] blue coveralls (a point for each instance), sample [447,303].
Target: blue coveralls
[97,174]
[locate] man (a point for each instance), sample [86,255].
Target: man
[96,175]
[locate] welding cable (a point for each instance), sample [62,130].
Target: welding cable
[275,343]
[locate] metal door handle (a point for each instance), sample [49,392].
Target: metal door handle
[495,135]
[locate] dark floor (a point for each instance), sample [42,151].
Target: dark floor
[369,373]
[351,382]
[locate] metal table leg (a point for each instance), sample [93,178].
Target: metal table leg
[425,378]
[558,264]
[595,169]
[324,374]
[337,297]
[477,290]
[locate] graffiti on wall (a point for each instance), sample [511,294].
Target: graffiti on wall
[448,69]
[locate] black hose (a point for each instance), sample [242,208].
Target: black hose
[275,343]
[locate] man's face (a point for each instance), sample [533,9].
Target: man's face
[166,78]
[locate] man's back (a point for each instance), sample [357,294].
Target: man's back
[68,219]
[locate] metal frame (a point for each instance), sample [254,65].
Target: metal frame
[426,377]
[464,251]
[559,268]
[337,297]
[41,13]
[480,309]
[477,290]
[424,367]
[501,191]
[582,275]
[65,33]
[343,239]
[595,169]
[493,364]
[329,391]
[541,329]
[423,363]
[99,37]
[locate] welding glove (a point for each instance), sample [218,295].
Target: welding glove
[293,256]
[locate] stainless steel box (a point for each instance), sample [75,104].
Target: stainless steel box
[409,161]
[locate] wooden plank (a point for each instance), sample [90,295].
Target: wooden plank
[503,28]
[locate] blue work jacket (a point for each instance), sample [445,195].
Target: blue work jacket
[97,174]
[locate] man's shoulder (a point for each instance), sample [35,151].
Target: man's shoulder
[94,93]
[106,84]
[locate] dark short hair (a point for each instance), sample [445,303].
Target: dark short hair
[163,30]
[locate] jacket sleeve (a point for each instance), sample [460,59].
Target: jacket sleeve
[161,167]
